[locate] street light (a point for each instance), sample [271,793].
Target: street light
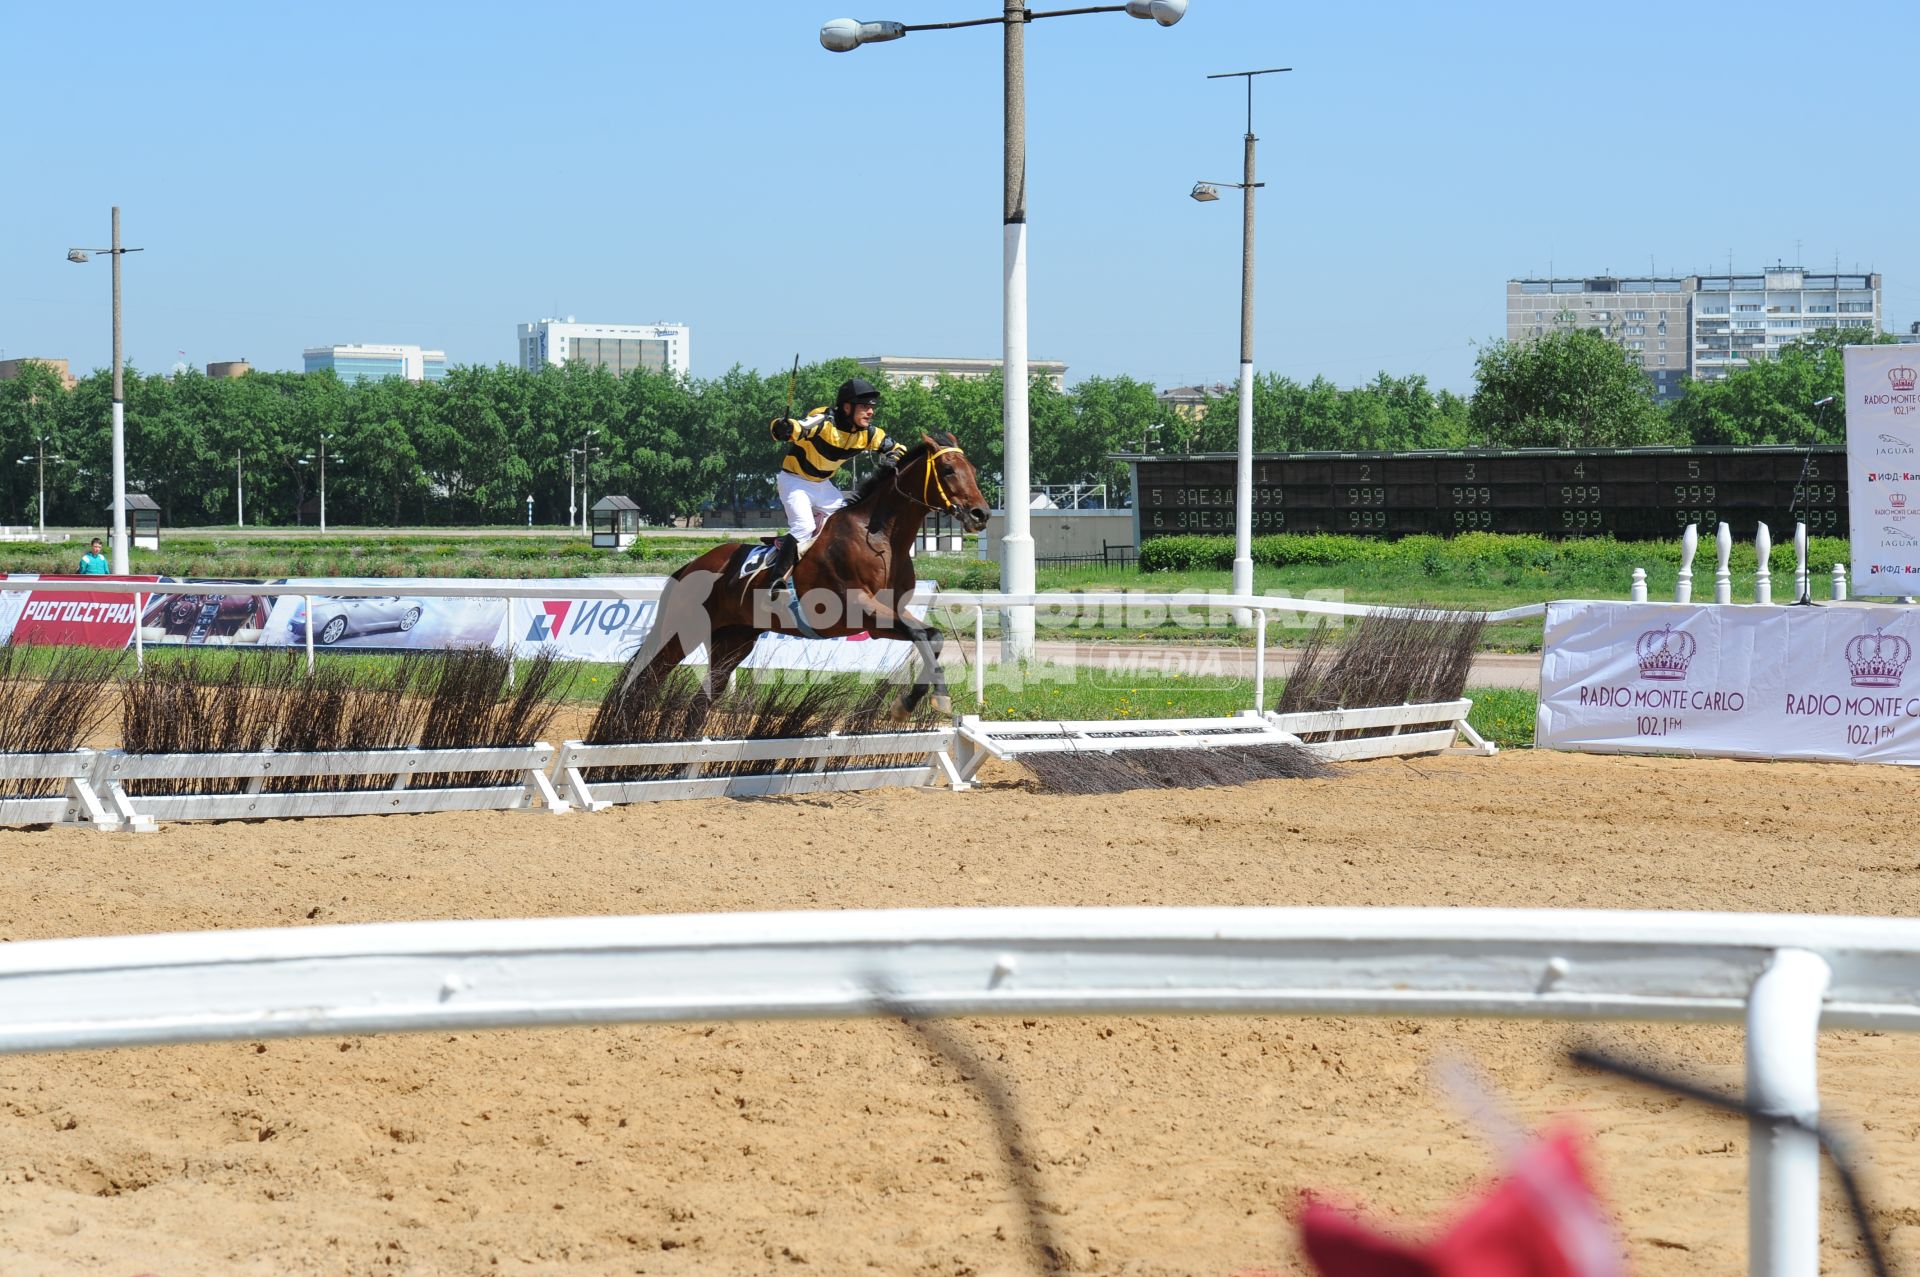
[119,398]
[40,459]
[845,34]
[239,493]
[306,460]
[580,452]
[1206,193]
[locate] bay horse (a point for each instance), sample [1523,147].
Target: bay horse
[857,576]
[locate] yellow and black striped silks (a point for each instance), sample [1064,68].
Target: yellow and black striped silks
[818,444]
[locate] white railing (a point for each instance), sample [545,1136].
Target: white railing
[1784,976]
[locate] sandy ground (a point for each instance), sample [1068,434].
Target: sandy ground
[1158,1146]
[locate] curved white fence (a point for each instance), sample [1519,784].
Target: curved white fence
[1783,975]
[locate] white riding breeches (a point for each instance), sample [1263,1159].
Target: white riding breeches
[807,501]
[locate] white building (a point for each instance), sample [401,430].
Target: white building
[354,363]
[1736,317]
[619,348]
[901,369]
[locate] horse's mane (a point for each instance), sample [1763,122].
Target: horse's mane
[884,474]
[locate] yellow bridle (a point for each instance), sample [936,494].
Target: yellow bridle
[932,482]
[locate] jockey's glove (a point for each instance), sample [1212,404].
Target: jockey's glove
[782,427]
[894,456]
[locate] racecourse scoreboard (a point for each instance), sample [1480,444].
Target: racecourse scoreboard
[1629,493]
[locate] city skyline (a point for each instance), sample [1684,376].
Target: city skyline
[293,188]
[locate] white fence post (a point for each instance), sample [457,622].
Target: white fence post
[1763,570]
[1689,545]
[306,601]
[1783,1164]
[979,653]
[1722,576]
[139,644]
[1259,659]
[1638,591]
[1802,583]
[1839,583]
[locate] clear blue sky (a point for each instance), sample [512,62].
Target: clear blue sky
[302,174]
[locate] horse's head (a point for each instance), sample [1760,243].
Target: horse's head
[945,480]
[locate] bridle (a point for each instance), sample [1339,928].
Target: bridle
[930,484]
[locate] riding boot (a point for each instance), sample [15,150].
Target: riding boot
[786,557]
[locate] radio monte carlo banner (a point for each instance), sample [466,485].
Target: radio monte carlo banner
[1883,468]
[1824,684]
[276,614]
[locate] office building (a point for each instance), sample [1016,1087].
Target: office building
[11,368]
[1646,314]
[901,369]
[1696,327]
[356,363]
[229,368]
[1738,317]
[619,348]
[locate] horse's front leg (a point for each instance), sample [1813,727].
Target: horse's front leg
[927,643]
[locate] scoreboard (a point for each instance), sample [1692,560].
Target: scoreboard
[1628,493]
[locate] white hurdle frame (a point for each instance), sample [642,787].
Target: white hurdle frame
[1784,976]
[577,757]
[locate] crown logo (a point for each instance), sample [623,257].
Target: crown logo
[1664,654]
[1899,499]
[1878,659]
[1902,378]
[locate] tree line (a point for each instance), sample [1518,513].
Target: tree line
[471,448]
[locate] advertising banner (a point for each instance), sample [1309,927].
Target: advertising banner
[1826,684]
[381,622]
[76,618]
[1883,468]
[612,630]
[202,620]
[11,603]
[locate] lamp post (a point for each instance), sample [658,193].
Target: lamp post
[581,452]
[239,493]
[1206,192]
[40,459]
[845,34]
[307,460]
[119,399]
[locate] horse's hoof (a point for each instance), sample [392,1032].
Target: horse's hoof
[942,704]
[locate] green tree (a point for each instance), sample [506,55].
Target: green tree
[1567,389]
[1770,401]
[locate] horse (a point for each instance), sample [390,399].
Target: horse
[857,576]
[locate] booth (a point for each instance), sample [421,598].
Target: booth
[143,521]
[616,523]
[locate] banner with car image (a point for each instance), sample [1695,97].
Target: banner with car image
[398,621]
[71,617]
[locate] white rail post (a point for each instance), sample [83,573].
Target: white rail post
[306,601]
[1763,568]
[1638,591]
[1259,659]
[1802,591]
[1689,545]
[1783,1164]
[139,645]
[1722,576]
[979,653]
[513,644]
[1839,583]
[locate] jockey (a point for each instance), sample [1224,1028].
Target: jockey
[817,446]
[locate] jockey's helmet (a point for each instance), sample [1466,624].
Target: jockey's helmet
[856,391]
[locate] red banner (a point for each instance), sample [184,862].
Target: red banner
[80,618]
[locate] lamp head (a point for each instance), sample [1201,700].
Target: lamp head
[77,255]
[1204,192]
[843,35]
[1165,12]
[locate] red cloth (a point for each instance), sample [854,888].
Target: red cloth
[1543,1220]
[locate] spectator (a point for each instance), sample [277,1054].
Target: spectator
[93,563]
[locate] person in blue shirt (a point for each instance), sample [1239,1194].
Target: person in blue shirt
[93,563]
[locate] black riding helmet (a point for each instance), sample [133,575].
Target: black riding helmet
[856,391]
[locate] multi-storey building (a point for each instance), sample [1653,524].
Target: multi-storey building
[1738,317]
[11,368]
[1645,314]
[1695,327]
[355,363]
[619,348]
[901,369]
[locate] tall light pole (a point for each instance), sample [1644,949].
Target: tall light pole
[323,479]
[239,493]
[40,459]
[119,399]
[1016,546]
[1243,477]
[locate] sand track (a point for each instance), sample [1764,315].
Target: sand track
[1159,1145]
